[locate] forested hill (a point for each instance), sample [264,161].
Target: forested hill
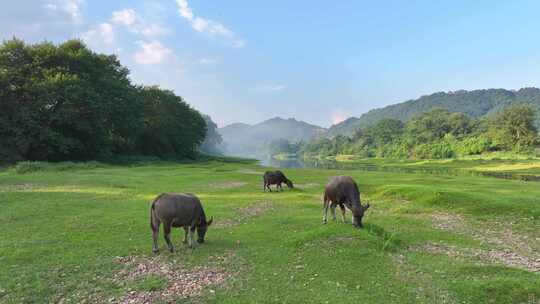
[252,140]
[473,103]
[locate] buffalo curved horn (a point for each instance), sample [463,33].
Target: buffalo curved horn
[210,221]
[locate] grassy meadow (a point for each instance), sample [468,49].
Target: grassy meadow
[428,238]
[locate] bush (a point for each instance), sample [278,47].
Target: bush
[474,145]
[25,167]
[436,150]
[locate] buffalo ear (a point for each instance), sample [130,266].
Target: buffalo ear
[210,221]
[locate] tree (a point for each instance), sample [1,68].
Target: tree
[435,124]
[171,127]
[513,127]
[65,102]
[386,131]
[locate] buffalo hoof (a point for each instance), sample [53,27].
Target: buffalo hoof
[200,241]
[155,251]
[324,222]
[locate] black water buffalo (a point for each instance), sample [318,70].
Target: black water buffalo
[178,210]
[275,178]
[343,191]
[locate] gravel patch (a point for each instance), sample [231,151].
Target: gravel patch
[250,171]
[505,257]
[181,282]
[255,209]
[447,221]
[227,185]
[307,185]
[18,187]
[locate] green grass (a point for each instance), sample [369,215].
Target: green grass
[63,229]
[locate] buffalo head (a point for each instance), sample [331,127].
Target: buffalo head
[358,214]
[202,228]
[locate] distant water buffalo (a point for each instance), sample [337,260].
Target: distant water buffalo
[178,210]
[275,178]
[343,191]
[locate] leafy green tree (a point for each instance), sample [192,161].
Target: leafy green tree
[65,102]
[171,127]
[435,124]
[513,127]
[385,131]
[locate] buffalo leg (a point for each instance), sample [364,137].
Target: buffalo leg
[167,235]
[333,210]
[155,233]
[325,211]
[342,212]
[186,231]
[191,233]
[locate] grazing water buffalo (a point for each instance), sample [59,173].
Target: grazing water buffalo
[275,178]
[178,210]
[343,191]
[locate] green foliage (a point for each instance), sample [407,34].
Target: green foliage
[65,102]
[433,150]
[513,127]
[171,127]
[35,166]
[436,134]
[476,104]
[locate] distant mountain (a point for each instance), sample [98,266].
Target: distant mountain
[346,127]
[474,103]
[250,140]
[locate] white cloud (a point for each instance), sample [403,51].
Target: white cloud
[137,25]
[99,35]
[270,87]
[154,30]
[151,53]
[126,17]
[184,9]
[70,7]
[204,25]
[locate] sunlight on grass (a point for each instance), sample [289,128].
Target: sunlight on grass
[73,235]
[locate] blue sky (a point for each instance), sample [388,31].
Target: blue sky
[246,61]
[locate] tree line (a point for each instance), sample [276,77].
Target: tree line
[66,102]
[436,134]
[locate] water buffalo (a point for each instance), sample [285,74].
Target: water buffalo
[275,178]
[178,210]
[343,191]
